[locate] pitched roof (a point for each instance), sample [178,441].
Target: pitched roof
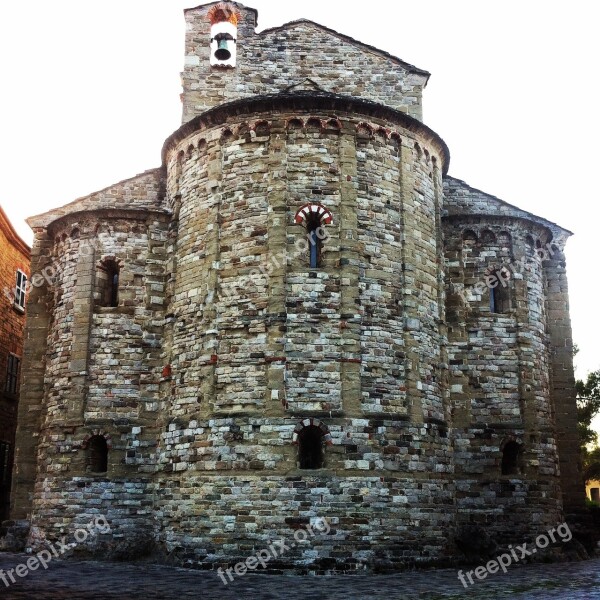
[363,46]
[496,206]
[123,195]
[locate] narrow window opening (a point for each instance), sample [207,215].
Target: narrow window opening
[314,217]
[510,458]
[310,441]
[499,299]
[595,495]
[114,288]
[12,374]
[109,284]
[97,454]
[315,242]
[20,290]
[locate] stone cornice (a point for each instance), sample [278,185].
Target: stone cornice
[306,102]
[99,200]
[476,218]
[558,232]
[92,215]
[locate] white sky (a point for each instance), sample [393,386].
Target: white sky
[90,90]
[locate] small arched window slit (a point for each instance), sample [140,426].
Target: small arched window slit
[310,442]
[315,241]
[97,459]
[510,458]
[108,283]
[499,298]
[112,293]
[314,217]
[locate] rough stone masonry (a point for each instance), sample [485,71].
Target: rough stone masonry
[299,315]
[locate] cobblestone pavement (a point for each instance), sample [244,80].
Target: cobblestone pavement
[86,580]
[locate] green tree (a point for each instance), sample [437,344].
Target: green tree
[588,406]
[591,465]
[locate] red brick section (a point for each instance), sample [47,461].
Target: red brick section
[15,255]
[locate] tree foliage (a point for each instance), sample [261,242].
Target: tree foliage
[588,406]
[591,465]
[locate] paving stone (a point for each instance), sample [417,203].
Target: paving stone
[89,580]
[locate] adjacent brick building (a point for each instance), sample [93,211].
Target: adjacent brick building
[15,256]
[299,315]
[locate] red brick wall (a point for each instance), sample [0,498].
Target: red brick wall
[14,254]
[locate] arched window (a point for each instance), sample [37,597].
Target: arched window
[510,458]
[108,282]
[499,299]
[112,292]
[314,217]
[97,459]
[315,240]
[310,442]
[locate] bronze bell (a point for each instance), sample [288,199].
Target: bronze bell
[222,52]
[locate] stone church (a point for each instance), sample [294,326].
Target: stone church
[298,317]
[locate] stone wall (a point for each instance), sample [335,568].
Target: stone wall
[500,365]
[225,349]
[260,341]
[511,372]
[77,344]
[301,55]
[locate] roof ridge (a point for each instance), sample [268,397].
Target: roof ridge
[412,68]
[29,220]
[530,214]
